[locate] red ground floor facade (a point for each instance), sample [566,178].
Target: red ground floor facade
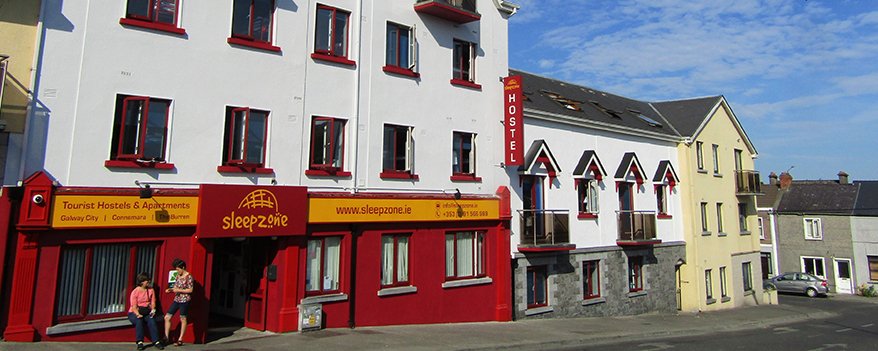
[257,254]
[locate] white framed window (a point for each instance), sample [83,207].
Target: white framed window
[463,154]
[813,229]
[715,159]
[719,217]
[699,155]
[722,282]
[760,224]
[704,218]
[708,283]
[814,266]
[395,260]
[747,275]
[323,265]
[398,154]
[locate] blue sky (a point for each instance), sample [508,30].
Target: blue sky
[801,75]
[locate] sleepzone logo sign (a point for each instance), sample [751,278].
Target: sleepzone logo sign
[258,209]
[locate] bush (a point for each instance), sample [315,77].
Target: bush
[867,290]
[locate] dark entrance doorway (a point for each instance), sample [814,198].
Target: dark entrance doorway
[238,284]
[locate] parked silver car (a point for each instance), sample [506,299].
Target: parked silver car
[799,283]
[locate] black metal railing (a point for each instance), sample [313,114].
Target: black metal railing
[747,182]
[635,226]
[545,227]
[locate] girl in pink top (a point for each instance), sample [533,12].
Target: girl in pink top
[142,311]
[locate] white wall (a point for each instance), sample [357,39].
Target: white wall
[865,241]
[567,143]
[93,58]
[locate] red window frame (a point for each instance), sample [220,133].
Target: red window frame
[479,259]
[590,283]
[661,198]
[151,20]
[86,288]
[396,172]
[121,115]
[460,76]
[249,36]
[228,158]
[470,157]
[395,269]
[333,123]
[332,32]
[533,272]
[582,191]
[322,239]
[635,273]
[397,68]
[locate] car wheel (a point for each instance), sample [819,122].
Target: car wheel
[811,292]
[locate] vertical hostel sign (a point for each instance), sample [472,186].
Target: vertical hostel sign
[514,131]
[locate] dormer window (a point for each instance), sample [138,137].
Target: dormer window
[569,104]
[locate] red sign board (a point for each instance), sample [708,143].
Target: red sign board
[245,211]
[513,122]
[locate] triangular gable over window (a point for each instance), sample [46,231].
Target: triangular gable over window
[630,164]
[666,172]
[589,163]
[539,153]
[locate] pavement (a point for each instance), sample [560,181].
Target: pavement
[540,334]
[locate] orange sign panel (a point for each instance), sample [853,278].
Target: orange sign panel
[346,210]
[89,211]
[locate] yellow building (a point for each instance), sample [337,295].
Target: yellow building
[722,268]
[18,41]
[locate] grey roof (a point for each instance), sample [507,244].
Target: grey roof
[818,197]
[585,161]
[769,198]
[664,167]
[625,166]
[594,105]
[867,198]
[530,157]
[687,115]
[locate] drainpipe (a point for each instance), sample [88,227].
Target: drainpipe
[772,215]
[357,97]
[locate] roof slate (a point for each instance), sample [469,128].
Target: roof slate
[535,88]
[687,115]
[867,198]
[819,197]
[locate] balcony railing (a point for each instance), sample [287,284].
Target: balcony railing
[457,11]
[747,183]
[636,228]
[545,230]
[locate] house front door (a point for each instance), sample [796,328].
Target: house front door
[843,276]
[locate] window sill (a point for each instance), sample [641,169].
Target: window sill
[398,175]
[586,215]
[750,292]
[325,298]
[333,59]
[167,28]
[138,164]
[244,169]
[632,294]
[326,173]
[538,310]
[253,44]
[706,233]
[663,216]
[726,299]
[466,282]
[465,178]
[98,324]
[466,84]
[401,71]
[397,290]
[710,301]
[814,239]
[720,234]
[745,232]
[718,175]
[702,171]
[593,301]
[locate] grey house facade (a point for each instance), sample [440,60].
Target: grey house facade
[864,226]
[814,230]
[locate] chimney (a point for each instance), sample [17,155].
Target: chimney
[785,180]
[772,178]
[842,177]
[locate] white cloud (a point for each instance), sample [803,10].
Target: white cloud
[545,64]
